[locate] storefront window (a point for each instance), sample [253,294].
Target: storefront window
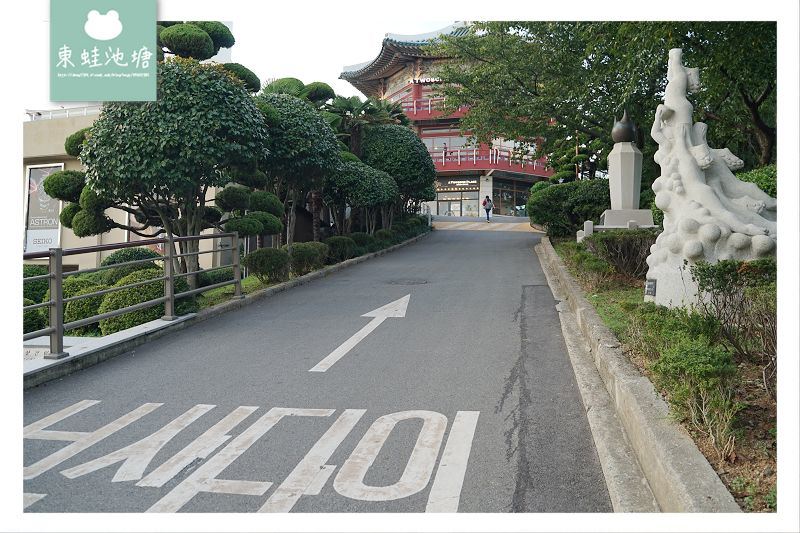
[510,197]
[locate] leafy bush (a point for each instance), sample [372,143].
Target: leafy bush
[291,86]
[248,77]
[386,236]
[65,185]
[245,226]
[741,296]
[233,198]
[341,248]
[625,250]
[306,256]
[266,201]
[701,383]
[188,40]
[765,177]
[32,319]
[206,278]
[653,328]
[269,265]
[402,230]
[84,308]
[112,276]
[539,185]
[36,289]
[272,224]
[134,295]
[361,238]
[414,221]
[563,208]
[70,286]
[590,269]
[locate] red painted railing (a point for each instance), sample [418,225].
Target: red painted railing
[488,159]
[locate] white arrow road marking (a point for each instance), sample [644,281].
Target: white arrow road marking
[395,309]
[29,498]
[37,430]
[446,491]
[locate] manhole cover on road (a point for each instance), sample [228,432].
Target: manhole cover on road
[410,281]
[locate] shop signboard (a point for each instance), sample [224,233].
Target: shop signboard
[42,226]
[458,184]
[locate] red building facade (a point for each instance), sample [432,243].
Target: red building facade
[403,72]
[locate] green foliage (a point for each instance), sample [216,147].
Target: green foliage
[345,156]
[251,81]
[653,328]
[396,150]
[290,86]
[251,178]
[220,35]
[206,278]
[245,226]
[124,255]
[306,256]
[70,286]
[318,92]
[143,293]
[36,289]
[742,297]
[86,223]
[701,383]
[266,201]
[562,209]
[233,198]
[84,308]
[74,142]
[202,127]
[341,248]
[68,213]
[625,250]
[362,239]
[91,200]
[32,319]
[188,40]
[272,224]
[269,265]
[385,235]
[765,177]
[591,269]
[539,185]
[212,215]
[65,185]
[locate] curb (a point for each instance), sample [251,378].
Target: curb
[69,365]
[679,476]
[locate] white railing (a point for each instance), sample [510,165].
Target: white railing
[47,114]
[424,105]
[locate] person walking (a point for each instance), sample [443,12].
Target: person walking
[488,205]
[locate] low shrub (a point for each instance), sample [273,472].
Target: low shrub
[590,269]
[134,295]
[563,208]
[269,265]
[341,248]
[765,177]
[206,278]
[385,235]
[36,289]
[741,296]
[700,381]
[84,308]
[403,230]
[415,221]
[653,328]
[306,256]
[70,286]
[362,239]
[625,250]
[131,254]
[32,319]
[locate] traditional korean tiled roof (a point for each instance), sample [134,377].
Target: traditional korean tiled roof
[396,51]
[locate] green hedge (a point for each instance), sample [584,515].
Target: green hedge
[32,320]
[625,250]
[70,286]
[385,235]
[149,291]
[340,248]
[84,308]
[111,276]
[362,239]
[204,279]
[765,177]
[563,208]
[269,265]
[36,289]
[306,256]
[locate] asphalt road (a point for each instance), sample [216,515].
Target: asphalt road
[467,402]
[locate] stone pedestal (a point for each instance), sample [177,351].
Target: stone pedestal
[625,176]
[621,218]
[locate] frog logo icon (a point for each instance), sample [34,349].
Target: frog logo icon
[102,27]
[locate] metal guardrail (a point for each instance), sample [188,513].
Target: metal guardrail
[56,275]
[47,114]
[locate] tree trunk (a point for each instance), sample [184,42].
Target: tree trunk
[291,217]
[316,207]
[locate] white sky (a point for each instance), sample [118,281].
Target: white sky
[312,40]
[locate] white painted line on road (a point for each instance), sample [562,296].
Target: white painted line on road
[138,455]
[203,479]
[200,448]
[36,430]
[89,439]
[311,474]
[350,480]
[29,498]
[446,490]
[395,309]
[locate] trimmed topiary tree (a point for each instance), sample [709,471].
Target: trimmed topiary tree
[269,265]
[245,226]
[251,81]
[306,256]
[65,185]
[74,142]
[266,201]
[220,34]
[272,224]
[188,40]
[233,198]
[341,248]
[563,208]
